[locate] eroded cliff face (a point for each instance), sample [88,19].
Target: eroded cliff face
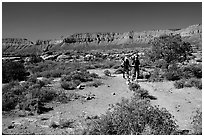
[130,37]
[192,34]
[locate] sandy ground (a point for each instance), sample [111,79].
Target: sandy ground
[181,103]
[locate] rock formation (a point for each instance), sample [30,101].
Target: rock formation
[192,34]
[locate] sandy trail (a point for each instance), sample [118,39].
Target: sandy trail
[181,103]
[103,98]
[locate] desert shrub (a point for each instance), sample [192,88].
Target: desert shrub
[32,78]
[194,82]
[70,85]
[107,73]
[61,97]
[35,59]
[72,96]
[108,64]
[143,93]
[132,118]
[56,73]
[156,76]
[91,66]
[11,95]
[93,75]
[170,48]
[66,123]
[27,95]
[179,83]
[134,86]
[95,83]
[9,101]
[43,81]
[83,76]
[193,70]
[42,66]
[172,76]
[119,71]
[173,73]
[197,123]
[44,95]
[46,74]
[161,63]
[13,71]
[116,66]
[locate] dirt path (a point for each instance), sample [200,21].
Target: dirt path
[181,103]
[111,92]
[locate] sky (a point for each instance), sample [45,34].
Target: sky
[37,20]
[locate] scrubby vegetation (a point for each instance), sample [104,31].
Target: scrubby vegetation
[192,82]
[73,79]
[135,117]
[107,73]
[169,48]
[27,95]
[13,71]
[197,123]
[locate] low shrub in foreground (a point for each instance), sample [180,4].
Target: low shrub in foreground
[95,83]
[193,70]
[156,76]
[11,95]
[27,95]
[134,86]
[119,71]
[197,123]
[135,117]
[192,82]
[180,83]
[173,75]
[107,73]
[70,85]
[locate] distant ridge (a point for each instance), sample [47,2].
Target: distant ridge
[192,34]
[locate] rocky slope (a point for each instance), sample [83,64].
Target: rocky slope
[192,34]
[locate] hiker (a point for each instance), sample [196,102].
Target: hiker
[126,67]
[135,69]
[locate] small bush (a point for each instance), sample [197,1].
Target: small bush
[194,82]
[12,71]
[180,83]
[95,83]
[43,82]
[173,75]
[66,123]
[156,76]
[94,75]
[116,66]
[134,86]
[119,71]
[11,95]
[46,95]
[70,85]
[62,97]
[193,70]
[143,93]
[56,73]
[132,118]
[197,123]
[107,73]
